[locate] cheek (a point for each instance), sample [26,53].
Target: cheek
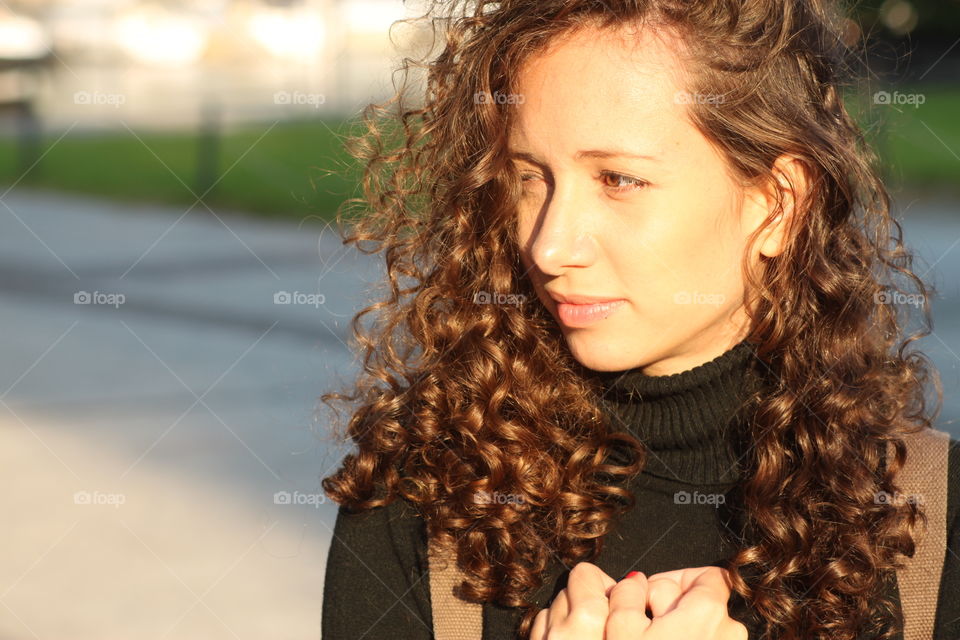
[685,247]
[715,249]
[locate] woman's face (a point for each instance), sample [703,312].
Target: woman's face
[625,199]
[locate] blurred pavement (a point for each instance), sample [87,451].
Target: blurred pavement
[142,445]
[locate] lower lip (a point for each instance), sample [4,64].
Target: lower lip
[582,315]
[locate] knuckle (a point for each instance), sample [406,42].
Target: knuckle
[662,592]
[587,616]
[581,569]
[659,584]
[625,621]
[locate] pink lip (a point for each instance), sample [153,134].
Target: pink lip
[580,300]
[581,311]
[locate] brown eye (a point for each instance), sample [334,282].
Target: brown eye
[620,182]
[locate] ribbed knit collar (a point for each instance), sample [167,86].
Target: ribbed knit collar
[689,421]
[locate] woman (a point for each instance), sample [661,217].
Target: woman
[647,331]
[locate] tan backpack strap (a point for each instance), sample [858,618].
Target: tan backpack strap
[924,475]
[453,618]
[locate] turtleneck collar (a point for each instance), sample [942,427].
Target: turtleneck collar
[688,421]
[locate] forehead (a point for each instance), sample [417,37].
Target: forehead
[601,86]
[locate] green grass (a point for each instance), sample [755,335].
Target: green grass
[285,170]
[923,143]
[918,145]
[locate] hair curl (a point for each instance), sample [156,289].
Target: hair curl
[487,398]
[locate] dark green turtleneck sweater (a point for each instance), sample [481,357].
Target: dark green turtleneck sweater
[377,584]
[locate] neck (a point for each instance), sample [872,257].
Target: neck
[689,422]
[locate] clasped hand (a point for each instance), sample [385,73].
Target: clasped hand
[682,604]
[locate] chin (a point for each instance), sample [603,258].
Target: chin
[598,352]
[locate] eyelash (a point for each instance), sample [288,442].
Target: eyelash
[637,183]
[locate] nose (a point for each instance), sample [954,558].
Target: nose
[563,238]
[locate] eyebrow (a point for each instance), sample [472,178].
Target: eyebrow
[602,154]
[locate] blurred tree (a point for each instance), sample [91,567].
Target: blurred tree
[911,40]
[916,18]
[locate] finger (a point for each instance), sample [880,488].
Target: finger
[710,580]
[559,609]
[587,582]
[682,577]
[663,594]
[686,577]
[586,589]
[709,591]
[665,590]
[539,631]
[627,617]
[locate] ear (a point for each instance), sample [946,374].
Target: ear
[773,206]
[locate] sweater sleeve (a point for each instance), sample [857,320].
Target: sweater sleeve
[947,622]
[376,585]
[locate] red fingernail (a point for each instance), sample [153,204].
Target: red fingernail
[631,574]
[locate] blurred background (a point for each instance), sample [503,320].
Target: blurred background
[175,299]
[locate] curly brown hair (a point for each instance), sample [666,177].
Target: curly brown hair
[474,399]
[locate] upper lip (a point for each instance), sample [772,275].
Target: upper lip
[571,298]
